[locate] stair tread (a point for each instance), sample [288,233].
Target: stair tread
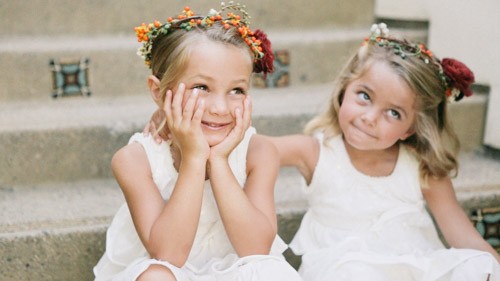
[129,110]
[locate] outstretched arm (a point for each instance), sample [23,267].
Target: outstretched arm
[299,151]
[453,222]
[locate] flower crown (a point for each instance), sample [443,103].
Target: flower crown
[187,20]
[455,76]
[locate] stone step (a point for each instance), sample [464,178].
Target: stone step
[314,56]
[59,17]
[75,138]
[65,223]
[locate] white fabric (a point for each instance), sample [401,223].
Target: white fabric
[212,256]
[375,228]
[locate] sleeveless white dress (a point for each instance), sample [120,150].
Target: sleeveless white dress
[212,256]
[361,228]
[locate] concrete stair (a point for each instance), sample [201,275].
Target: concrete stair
[57,194]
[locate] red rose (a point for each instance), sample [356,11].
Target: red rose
[265,64]
[459,75]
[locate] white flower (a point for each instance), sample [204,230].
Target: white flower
[379,30]
[213,12]
[140,52]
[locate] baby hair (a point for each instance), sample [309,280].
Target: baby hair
[434,141]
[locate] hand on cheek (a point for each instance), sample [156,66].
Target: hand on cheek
[184,122]
[243,120]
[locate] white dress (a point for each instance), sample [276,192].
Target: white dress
[212,256]
[361,228]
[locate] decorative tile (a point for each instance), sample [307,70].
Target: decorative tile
[280,77]
[70,77]
[487,222]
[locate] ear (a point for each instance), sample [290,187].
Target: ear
[408,134]
[154,89]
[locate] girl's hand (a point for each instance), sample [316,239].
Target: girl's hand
[243,121]
[151,128]
[184,123]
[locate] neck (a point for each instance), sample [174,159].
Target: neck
[375,163]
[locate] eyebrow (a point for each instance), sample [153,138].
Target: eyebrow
[209,78]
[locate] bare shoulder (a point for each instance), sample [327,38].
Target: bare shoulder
[129,163]
[128,154]
[262,152]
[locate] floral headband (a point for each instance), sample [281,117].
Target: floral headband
[187,20]
[455,76]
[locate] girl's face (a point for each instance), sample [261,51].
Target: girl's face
[221,73]
[377,109]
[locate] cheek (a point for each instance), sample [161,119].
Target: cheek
[235,102]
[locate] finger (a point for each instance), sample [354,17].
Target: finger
[177,102]
[167,107]
[247,112]
[198,114]
[145,132]
[238,126]
[158,136]
[189,107]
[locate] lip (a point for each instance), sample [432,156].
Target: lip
[215,126]
[364,132]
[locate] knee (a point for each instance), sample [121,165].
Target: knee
[157,272]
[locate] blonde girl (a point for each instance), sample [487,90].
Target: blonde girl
[380,154]
[199,206]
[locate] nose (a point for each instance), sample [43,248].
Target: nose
[217,104]
[370,117]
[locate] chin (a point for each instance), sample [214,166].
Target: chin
[214,140]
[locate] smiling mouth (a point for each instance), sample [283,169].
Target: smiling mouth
[364,132]
[215,126]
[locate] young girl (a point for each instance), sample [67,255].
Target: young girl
[200,206]
[379,155]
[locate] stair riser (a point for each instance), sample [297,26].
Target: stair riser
[115,72]
[58,17]
[85,153]
[52,256]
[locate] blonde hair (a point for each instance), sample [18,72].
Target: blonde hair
[170,55]
[434,141]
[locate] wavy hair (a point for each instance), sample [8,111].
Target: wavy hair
[434,142]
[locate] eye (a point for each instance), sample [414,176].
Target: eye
[363,96]
[201,87]
[394,114]
[237,91]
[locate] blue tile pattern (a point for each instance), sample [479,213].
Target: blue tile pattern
[70,78]
[487,222]
[280,77]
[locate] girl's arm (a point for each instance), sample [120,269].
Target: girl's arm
[453,222]
[167,229]
[299,151]
[248,214]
